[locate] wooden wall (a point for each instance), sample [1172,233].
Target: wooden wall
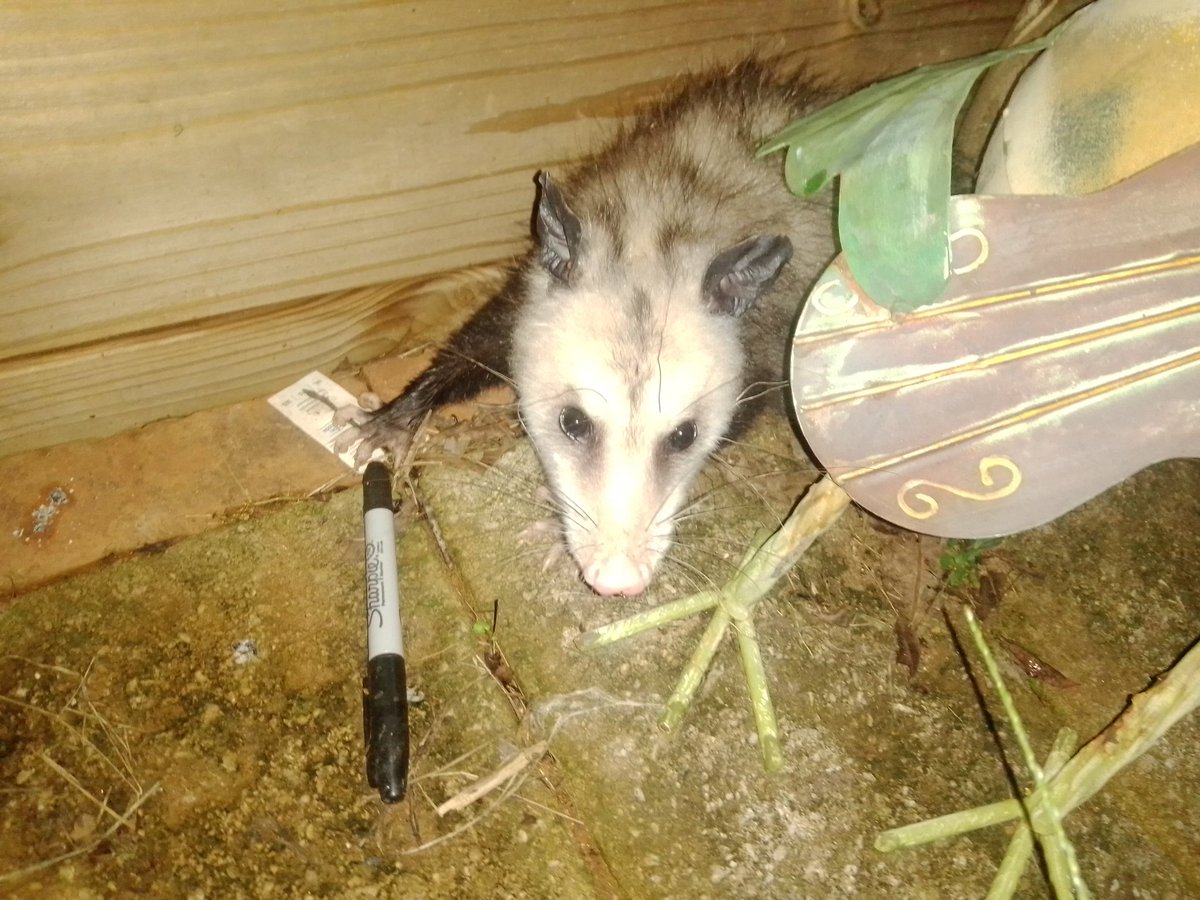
[193,194]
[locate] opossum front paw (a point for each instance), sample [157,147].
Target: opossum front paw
[546,530]
[389,429]
[357,413]
[539,532]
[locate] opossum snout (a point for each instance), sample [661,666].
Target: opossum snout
[627,532]
[617,576]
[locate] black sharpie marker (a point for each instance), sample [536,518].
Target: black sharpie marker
[385,696]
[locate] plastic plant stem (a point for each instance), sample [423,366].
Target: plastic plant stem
[650,618]
[762,566]
[693,673]
[1148,717]
[758,572]
[1042,813]
[760,696]
[735,602]
[1020,848]
[949,825]
[1012,867]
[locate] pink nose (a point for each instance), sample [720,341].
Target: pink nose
[617,576]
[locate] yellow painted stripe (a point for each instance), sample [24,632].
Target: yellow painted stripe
[997,359]
[1025,415]
[1044,290]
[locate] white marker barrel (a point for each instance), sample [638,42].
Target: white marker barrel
[385,691]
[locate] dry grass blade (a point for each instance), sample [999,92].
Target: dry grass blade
[92,737]
[41,865]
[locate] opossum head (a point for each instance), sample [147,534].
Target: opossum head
[628,369]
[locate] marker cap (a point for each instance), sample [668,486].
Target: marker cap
[385,723]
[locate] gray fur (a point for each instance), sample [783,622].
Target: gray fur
[633,329]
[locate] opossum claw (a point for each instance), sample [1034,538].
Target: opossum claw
[389,429]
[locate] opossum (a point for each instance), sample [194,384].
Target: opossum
[649,316]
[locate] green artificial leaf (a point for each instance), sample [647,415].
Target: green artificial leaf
[894,203]
[891,145]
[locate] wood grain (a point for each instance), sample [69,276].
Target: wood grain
[183,182]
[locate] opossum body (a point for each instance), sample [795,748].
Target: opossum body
[653,305]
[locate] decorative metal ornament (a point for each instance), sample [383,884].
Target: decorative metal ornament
[1062,357]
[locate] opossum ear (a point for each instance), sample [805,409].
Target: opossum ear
[737,277]
[558,230]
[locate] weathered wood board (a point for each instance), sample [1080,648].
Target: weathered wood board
[187,190]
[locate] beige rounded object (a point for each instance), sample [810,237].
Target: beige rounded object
[1118,91]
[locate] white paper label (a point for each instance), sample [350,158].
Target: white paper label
[310,403]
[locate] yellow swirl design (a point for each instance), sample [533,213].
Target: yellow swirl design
[913,488]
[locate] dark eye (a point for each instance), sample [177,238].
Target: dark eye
[575,424]
[682,437]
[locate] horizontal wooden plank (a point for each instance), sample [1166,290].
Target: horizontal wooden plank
[166,164]
[98,389]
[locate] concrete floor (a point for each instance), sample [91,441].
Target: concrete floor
[134,736]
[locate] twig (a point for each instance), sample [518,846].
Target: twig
[488,783]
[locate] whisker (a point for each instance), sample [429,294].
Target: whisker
[553,504]
[574,506]
[693,503]
[689,515]
[550,509]
[798,462]
[718,568]
[496,490]
[697,577]
[736,539]
[526,552]
[716,387]
[496,373]
[761,389]
[747,482]
[732,565]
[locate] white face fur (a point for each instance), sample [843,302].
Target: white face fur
[622,430]
[628,365]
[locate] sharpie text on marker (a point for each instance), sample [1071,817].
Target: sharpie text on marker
[377,597]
